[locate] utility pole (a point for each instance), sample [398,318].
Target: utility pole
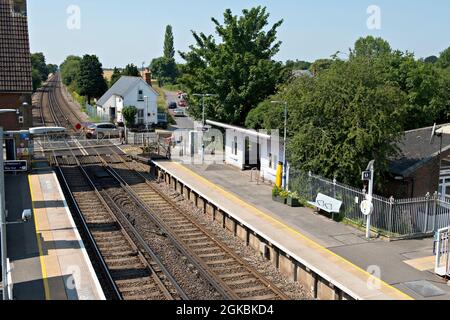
[203,95]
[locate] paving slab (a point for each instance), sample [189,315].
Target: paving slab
[330,244]
[48,258]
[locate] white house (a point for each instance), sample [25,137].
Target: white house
[246,149]
[130,91]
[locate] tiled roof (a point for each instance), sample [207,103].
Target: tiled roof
[15,61]
[416,150]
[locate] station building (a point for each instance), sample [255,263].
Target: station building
[248,149]
[422,166]
[16,86]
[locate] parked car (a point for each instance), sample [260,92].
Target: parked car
[178,113]
[182,103]
[102,130]
[173,105]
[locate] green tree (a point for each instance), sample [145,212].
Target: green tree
[169,50]
[91,83]
[371,47]
[320,65]
[36,77]
[70,70]
[240,69]
[38,63]
[444,58]
[342,119]
[115,76]
[129,114]
[131,70]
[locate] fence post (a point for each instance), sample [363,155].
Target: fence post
[310,186]
[334,194]
[391,205]
[427,211]
[435,197]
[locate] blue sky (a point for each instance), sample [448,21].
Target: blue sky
[132,31]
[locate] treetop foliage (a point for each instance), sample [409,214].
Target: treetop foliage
[239,69]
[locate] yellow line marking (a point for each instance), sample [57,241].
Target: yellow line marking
[41,251]
[312,242]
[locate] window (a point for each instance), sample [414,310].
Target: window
[275,162]
[235,146]
[140,95]
[19,8]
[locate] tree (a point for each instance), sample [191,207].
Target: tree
[129,114]
[165,70]
[36,78]
[90,79]
[115,76]
[371,47]
[431,59]
[444,58]
[38,63]
[169,50]
[70,70]
[297,65]
[240,69]
[340,120]
[320,65]
[131,70]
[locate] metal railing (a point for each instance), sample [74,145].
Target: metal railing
[394,218]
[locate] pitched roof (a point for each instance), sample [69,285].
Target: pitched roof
[122,87]
[416,150]
[15,60]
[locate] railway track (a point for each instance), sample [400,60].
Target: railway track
[227,272]
[133,270]
[55,111]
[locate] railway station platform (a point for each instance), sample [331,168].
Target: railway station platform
[48,258]
[315,250]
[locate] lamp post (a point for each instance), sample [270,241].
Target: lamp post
[203,95]
[4,252]
[284,140]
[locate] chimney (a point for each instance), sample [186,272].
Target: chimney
[148,76]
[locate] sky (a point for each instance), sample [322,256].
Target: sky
[132,31]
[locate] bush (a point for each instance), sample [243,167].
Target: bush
[129,114]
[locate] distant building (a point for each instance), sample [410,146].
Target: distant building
[130,91]
[416,170]
[302,73]
[16,85]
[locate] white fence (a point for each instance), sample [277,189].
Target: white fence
[391,217]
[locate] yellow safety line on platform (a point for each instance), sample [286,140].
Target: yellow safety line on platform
[288,227]
[41,251]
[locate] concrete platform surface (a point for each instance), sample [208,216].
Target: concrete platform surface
[334,250]
[48,258]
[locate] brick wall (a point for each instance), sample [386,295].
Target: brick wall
[9,121]
[425,179]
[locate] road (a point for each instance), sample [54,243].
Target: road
[182,122]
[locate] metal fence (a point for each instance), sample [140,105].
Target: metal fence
[391,217]
[95,114]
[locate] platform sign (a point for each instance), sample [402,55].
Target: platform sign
[366,176]
[15,166]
